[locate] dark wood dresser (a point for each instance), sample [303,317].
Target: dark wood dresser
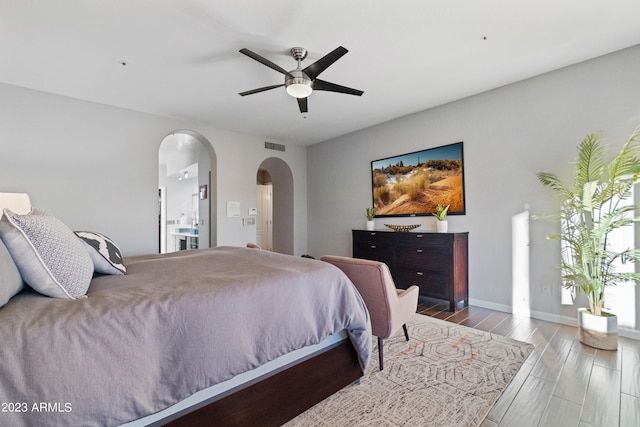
[436,262]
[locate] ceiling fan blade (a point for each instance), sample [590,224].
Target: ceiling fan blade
[302,103]
[332,87]
[323,63]
[260,89]
[264,61]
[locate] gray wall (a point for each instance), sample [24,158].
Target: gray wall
[96,167]
[509,134]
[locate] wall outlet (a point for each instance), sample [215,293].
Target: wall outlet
[248,221]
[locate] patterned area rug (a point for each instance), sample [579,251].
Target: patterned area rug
[445,375]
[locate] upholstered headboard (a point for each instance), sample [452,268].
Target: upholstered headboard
[10,280]
[17,202]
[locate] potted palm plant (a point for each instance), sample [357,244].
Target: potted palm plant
[371,213]
[441,215]
[591,209]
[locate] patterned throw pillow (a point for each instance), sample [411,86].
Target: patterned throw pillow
[106,256]
[50,258]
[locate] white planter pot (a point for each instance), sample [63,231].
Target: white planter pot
[371,225]
[442,226]
[597,331]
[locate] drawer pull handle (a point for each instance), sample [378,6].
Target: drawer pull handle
[419,236]
[419,273]
[419,251]
[372,234]
[373,246]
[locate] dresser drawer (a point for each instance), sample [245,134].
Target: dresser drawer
[373,245]
[425,259]
[372,237]
[428,241]
[429,284]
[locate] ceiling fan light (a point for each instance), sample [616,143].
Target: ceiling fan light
[299,88]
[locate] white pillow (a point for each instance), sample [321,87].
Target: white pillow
[106,256]
[50,258]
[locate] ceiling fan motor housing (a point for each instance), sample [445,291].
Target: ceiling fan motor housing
[302,85]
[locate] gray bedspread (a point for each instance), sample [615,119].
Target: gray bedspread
[175,324]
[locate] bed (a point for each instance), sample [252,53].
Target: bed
[219,336]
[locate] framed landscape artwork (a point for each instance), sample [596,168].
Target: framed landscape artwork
[413,184]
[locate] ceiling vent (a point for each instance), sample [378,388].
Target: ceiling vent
[273,146]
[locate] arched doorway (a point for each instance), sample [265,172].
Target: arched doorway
[186,192]
[281,181]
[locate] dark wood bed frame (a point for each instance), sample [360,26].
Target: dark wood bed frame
[279,397]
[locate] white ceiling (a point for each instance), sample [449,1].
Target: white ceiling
[406,55]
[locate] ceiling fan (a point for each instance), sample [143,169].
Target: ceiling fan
[300,82]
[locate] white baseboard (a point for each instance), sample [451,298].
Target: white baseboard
[549,317]
[629,333]
[490,305]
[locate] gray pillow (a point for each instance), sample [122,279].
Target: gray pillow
[50,258]
[10,281]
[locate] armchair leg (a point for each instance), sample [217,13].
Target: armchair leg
[406,333]
[380,352]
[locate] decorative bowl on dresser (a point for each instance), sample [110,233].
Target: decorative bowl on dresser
[436,262]
[402,227]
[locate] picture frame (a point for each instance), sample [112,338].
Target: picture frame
[414,184]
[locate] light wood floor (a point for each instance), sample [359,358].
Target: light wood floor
[563,382]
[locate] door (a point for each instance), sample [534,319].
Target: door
[264,218]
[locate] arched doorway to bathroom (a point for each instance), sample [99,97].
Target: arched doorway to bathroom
[186,192]
[274,180]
